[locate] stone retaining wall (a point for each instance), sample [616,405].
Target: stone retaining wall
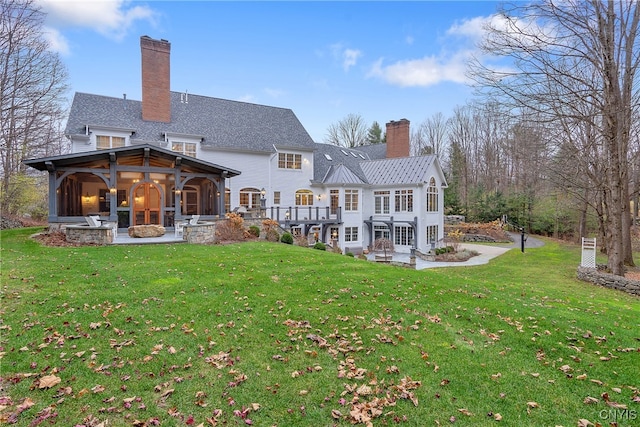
[201,233]
[86,234]
[609,280]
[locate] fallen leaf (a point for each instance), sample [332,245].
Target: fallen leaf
[49,381]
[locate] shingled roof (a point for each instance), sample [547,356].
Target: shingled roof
[220,123]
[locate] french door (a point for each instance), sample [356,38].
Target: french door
[146,204]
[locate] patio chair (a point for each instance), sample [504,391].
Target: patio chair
[95,221]
[179,225]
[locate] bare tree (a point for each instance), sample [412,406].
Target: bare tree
[32,88]
[349,132]
[431,136]
[565,55]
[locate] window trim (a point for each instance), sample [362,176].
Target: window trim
[289,161]
[351,200]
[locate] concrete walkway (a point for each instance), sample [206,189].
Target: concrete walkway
[487,253]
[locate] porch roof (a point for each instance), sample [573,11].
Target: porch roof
[69,160]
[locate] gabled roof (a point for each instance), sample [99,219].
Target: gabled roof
[340,174]
[219,123]
[327,157]
[70,160]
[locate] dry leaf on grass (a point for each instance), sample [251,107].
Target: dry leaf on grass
[48,381]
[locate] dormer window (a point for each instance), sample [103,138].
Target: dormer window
[104,142]
[186,148]
[289,161]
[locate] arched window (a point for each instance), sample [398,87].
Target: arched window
[304,198]
[250,197]
[432,196]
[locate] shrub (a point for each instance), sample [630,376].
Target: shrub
[254,230]
[272,235]
[287,238]
[270,228]
[301,240]
[320,246]
[231,229]
[350,254]
[383,245]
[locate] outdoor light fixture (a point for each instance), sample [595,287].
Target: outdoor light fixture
[319,196]
[178,191]
[87,198]
[263,201]
[113,190]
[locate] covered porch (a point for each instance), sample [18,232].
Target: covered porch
[136,185]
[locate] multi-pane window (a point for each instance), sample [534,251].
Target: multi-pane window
[351,234]
[289,161]
[334,200]
[335,233]
[403,235]
[304,198]
[404,200]
[432,196]
[186,148]
[381,202]
[276,197]
[350,200]
[227,200]
[104,142]
[381,232]
[250,197]
[432,234]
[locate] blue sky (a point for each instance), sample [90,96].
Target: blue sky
[324,60]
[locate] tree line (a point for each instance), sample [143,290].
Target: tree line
[552,138]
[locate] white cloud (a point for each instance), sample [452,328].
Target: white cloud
[447,66]
[472,28]
[427,71]
[347,57]
[57,42]
[350,57]
[111,18]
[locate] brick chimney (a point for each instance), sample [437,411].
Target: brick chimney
[398,138]
[156,98]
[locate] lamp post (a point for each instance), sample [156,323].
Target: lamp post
[412,256]
[263,202]
[334,238]
[286,220]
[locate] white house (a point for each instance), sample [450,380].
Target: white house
[163,155]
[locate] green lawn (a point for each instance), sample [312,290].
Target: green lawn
[270,334]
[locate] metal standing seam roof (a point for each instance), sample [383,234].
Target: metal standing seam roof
[398,171]
[359,166]
[219,122]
